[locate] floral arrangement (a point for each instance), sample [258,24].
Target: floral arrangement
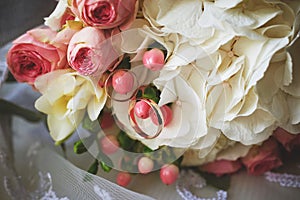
[165,84]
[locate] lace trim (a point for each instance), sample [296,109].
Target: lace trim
[103,194]
[43,192]
[45,187]
[189,180]
[284,180]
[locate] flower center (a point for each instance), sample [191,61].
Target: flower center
[230,54]
[83,62]
[103,13]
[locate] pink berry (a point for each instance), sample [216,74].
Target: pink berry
[169,174]
[122,82]
[141,109]
[145,165]
[109,144]
[167,115]
[154,59]
[123,179]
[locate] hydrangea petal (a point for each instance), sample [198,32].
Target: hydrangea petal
[251,129]
[234,152]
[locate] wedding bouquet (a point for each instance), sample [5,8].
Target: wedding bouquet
[165,84]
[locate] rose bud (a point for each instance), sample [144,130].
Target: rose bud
[221,167]
[288,140]
[261,159]
[90,53]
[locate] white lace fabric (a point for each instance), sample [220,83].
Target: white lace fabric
[71,181]
[190,181]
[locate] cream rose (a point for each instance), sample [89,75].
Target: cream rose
[66,97]
[59,16]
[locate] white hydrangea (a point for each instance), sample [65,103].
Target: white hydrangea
[231,63]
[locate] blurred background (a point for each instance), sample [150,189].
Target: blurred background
[18,16]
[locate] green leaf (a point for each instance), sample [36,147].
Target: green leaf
[155,99]
[93,169]
[147,150]
[84,144]
[92,126]
[178,161]
[168,155]
[105,167]
[79,147]
[11,108]
[125,63]
[149,93]
[60,142]
[105,162]
[127,162]
[156,45]
[10,78]
[139,94]
[125,141]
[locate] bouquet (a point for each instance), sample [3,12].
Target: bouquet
[164,84]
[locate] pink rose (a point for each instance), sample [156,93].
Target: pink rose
[32,55]
[221,167]
[105,14]
[289,141]
[90,53]
[261,159]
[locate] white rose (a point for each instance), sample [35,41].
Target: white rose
[55,20]
[188,122]
[66,97]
